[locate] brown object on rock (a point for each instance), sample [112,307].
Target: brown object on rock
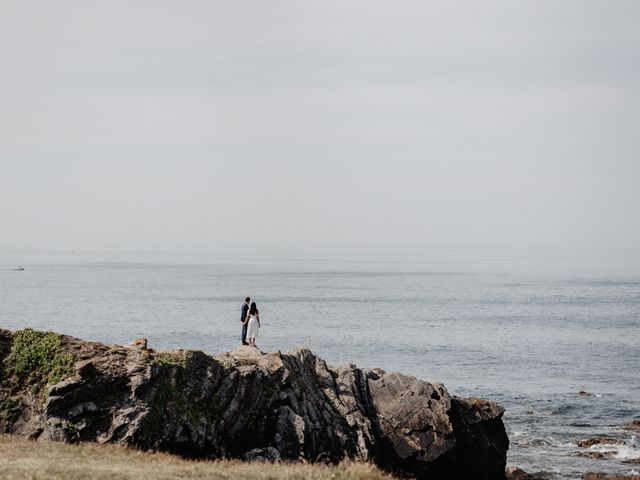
[139,343]
[247,404]
[588,442]
[515,473]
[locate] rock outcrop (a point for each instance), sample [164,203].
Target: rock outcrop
[244,404]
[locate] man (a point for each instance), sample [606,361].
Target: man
[243,316]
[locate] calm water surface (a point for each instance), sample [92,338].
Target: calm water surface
[529,333]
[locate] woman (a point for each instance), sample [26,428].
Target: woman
[253,324]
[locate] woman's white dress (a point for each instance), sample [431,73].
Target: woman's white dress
[252,327]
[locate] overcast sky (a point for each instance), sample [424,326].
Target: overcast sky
[320,127]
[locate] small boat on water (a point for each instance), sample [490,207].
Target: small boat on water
[18,269]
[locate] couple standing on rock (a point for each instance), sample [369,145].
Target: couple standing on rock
[250,318]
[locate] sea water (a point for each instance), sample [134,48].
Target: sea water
[527,332]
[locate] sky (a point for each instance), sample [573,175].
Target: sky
[333,127]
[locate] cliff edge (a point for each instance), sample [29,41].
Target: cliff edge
[244,404]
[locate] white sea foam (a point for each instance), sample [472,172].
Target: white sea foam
[619,452]
[535,442]
[626,452]
[555,442]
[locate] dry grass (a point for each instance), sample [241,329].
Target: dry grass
[22,459]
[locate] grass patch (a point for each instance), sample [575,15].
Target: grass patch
[22,459]
[37,357]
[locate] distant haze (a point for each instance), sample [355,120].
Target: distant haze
[320,127]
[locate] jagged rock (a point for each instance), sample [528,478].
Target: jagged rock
[588,442]
[515,473]
[260,406]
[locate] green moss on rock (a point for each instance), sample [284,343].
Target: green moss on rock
[168,360]
[38,358]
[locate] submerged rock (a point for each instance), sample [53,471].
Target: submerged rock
[250,405]
[589,442]
[596,455]
[515,473]
[634,426]
[582,393]
[608,476]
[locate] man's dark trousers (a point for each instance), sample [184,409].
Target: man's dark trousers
[245,309]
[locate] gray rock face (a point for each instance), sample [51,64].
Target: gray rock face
[250,405]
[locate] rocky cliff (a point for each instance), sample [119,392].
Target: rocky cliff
[244,404]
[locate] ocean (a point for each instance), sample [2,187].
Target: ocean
[527,332]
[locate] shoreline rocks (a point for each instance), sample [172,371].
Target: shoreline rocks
[589,442]
[246,404]
[596,455]
[633,426]
[515,473]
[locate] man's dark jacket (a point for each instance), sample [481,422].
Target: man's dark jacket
[243,315]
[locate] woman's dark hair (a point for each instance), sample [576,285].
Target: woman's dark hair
[253,310]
